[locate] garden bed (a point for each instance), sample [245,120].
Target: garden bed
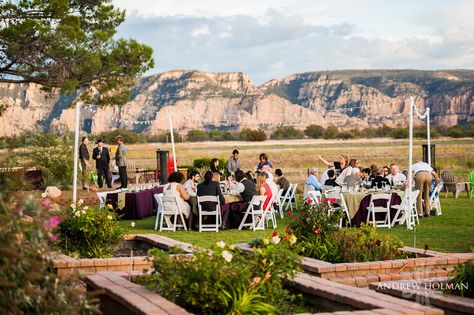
[427,292]
[132,245]
[430,264]
[120,294]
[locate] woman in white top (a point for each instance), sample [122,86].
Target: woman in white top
[174,188]
[351,169]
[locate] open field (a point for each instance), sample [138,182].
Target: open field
[451,232]
[294,157]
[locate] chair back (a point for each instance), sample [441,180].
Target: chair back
[470,176]
[170,199]
[307,190]
[448,179]
[376,197]
[207,199]
[102,199]
[257,200]
[315,195]
[159,202]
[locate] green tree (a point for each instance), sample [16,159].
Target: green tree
[331,132]
[197,135]
[248,134]
[70,44]
[314,131]
[287,132]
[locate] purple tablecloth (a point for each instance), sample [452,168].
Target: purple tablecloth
[361,215]
[232,214]
[138,205]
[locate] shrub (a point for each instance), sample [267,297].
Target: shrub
[345,135]
[109,136]
[197,135]
[53,155]
[225,281]
[330,132]
[400,133]
[90,233]
[218,135]
[252,135]
[287,132]
[314,131]
[457,132]
[320,238]
[464,276]
[205,163]
[29,283]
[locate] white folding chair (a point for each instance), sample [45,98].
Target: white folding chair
[405,212]
[102,199]
[434,200]
[257,201]
[315,195]
[216,212]
[159,210]
[290,195]
[278,202]
[171,215]
[337,195]
[267,215]
[372,210]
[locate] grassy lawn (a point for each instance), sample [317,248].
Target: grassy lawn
[451,232]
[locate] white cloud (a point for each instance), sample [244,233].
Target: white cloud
[271,39]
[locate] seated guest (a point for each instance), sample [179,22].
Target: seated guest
[209,188]
[365,174]
[270,179]
[339,165]
[251,176]
[351,169]
[215,166]
[395,178]
[282,182]
[190,184]
[311,183]
[245,187]
[263,161]
[331,181]
[264,189]
[175,188]
[386,171]
[379,181]
[373,169]
[216,177]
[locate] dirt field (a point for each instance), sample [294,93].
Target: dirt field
[294,157]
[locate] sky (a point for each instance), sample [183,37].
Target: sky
[270,39]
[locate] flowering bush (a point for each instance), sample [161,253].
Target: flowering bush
[89,233]
[28,282]
[225,281]
[319,237]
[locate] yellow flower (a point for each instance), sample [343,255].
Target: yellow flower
[231,247]
[109,206]
[132,224]
[77,213]
[220,244]
[227,256]
[109,217]
[266,241]
[86,208]
[44,195]
[73,205]
[80,202]
[255,281]
[292,240]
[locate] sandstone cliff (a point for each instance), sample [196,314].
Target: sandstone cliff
[231,101]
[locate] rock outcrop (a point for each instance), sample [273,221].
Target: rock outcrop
[231,101]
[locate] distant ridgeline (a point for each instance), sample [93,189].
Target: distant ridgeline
[230,101]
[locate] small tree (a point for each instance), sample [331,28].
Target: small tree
[314,131]
[331,132]
[197,135]
[252,135]
[287,132]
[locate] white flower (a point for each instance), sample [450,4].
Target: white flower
[276,239]
[83,212]
[292,240]
[109,217]
[77,213]
[227,256]
[73,205]
[220,244]
[80,202]
[44,195]
[132,224]
[86,208]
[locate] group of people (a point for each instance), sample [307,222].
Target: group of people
[244,184]
[348,172]
[102,158]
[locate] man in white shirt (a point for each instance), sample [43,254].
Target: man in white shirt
[191,184]
[423,176]
[395,178]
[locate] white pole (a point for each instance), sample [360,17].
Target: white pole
[410,163]
[76,150]
[172,142]
[428,136]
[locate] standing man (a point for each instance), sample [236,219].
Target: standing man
[102,159]
[233,163]
[121,161]
[84,157]
[423,172]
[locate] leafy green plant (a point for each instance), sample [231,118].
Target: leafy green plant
[287,132]
[314,131]
[28,281]
[205,163]
[90,233]
[463,280]
[196,135]
[252,135]
[225,281]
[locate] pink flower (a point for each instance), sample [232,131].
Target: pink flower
[46,203]
[303,213]
[297,219]
[287,230]
[309,200]
[53,237]
[317,231]
[53,222]
[290,212]
[333,200]
[275,233]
